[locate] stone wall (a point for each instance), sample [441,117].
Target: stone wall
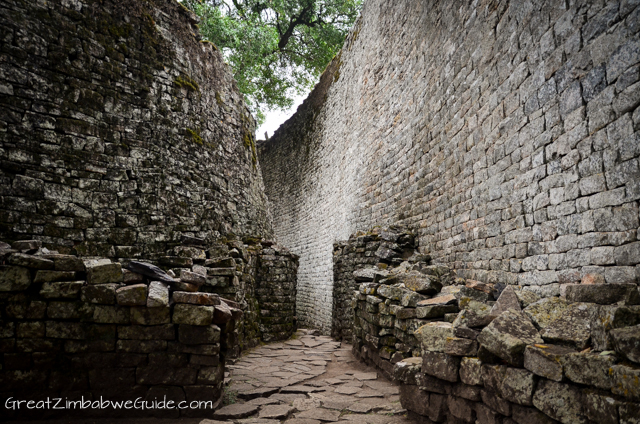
[383,247]
[276,292]
[81,329]
[526,360]
[74,327]
[504,134]
[120,130]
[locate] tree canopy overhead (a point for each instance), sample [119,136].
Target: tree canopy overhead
[275,47]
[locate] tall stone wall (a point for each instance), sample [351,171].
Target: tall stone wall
[506,135]
[120,130]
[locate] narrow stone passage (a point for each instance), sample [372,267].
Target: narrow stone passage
[307,380]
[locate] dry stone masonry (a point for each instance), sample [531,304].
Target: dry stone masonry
[120,130]
[88,327]
[471,352]
[384,246]
[505,134]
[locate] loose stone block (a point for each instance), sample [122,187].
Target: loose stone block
[460,347]
[30,261]
[626,342]
[46,276]
[434,311]
[407,370]
[14,278]
[562,402]
[545,311]
[447,299]
[471,371]
[194,335]
[440,365]
[197,298]
[62,290]
[546,360]
[26,245]
[517,386]
[100,293]
[573,327]
[134,295]
[193,314]
[158,295]
[433,335]
[150,316]
[591,369]
[151,271]
[602,294]
[66,262]
[508,335]
[192,278]
[222,313]
[100,272]
[626,381]
[507,300]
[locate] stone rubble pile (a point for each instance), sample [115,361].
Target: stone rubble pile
[91,327]
[493,354]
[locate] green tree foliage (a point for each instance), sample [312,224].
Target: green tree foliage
[275,47]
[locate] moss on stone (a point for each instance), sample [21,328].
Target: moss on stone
[195,136]
[187,82]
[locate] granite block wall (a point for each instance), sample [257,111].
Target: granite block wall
[81,328]
[121,130]
[504,134]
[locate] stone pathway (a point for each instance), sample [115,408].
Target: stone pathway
[307,380]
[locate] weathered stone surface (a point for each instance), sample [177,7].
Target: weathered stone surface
[447,299]
[130,277]
[460,347]
[134,295]
[508,335]
[473,314]
[546,360]
[507,300]
[440,365]
[407,370]
[193,314]
[47,276]
[222,313]
[149,270]
[14,278]
[150,316]
[26,244]
[434,311]
[433,335]
[364,274]
[30,261]
[235,411]
[562,402]
[279,412]
[158,294]
[573,327]
[524,415]
[602,294]
[601,408]
[526,297]
[495,402]
[197,298]
[420,283]
[195,335]
[627,342]
[626,381]
[101,272]
[471,371]
[192,278]
[545,311]
[461,408]
[610,317]
[591,369]
[518,386]
[62,290]
[99,293]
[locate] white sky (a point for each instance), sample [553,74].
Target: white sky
[274,119]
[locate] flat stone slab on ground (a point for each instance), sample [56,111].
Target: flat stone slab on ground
[235,411]
[276,411]
[321,414]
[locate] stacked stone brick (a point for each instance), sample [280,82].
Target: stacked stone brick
[391,304]
[506,133]
[363,250]
[276,292]
[83,328]
[121,130]
[522,359]
[92,327]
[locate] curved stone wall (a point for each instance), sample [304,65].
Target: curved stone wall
[121,131]
[506,135]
